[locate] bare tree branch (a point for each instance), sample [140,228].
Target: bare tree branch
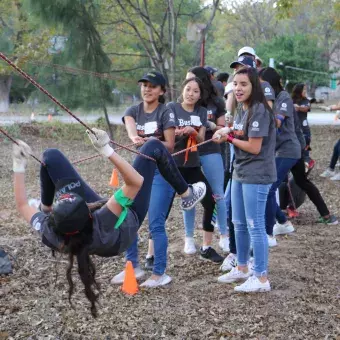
[128,54]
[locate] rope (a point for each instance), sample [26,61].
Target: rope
[15,142]
[194,146]
[99,155]
[56,101]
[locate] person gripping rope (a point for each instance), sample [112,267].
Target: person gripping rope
[152,119]
[253,137]
[79,222]
[192,123]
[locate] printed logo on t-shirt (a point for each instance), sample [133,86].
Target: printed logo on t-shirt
[267,90]
[149,128]
[284,106]
[255,126]
[305,123]
[182,122]
[238,129]
[195,121]
[36,224]
[210,114]
[171,115]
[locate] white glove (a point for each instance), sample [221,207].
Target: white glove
[100,140]
[228,88]
[21,153]
[211,126]
[221,132]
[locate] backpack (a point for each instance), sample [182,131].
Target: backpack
[5,263]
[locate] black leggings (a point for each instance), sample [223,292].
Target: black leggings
[58,167]
[193,175]
[335,155]
[301,179]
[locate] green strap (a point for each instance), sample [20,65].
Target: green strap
[124,202]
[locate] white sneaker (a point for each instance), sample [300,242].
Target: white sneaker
[224,244]
[284,228]
[189,246]
[119,278]
[253,284]
[335,177]
[162,281]
[328,173]
[234,275]
[272,241]
[229,263]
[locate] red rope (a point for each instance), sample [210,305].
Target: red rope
[99,155]
[194,146]
[15,142]
[38,86]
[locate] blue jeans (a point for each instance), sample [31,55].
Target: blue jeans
[249,206]
[283,165]
[214,172]
[162,195]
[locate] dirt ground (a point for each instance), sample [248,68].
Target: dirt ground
[304,272]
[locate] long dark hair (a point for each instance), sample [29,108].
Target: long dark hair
[270,75]
[297,92]
[77,245]
[200,85]
[256,96]
[209,94]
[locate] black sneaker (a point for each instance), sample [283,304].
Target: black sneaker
[149,263]
[210,254]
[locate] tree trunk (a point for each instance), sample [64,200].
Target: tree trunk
[5,87]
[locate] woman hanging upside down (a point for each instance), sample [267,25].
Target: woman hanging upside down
[80,222]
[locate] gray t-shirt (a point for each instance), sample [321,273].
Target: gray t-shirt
[250,168]
[303,115]
[287,144]
[213,113]
[153,123]
[268,91]
[196,119]
[106,240]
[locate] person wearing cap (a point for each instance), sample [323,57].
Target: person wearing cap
[219,86]
[247,51]
[210,155]
[80,223]
[152,119]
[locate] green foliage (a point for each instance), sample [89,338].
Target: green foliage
[21,37]
[297,51]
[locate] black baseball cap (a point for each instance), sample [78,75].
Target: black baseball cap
[154,77]
[211,70]
[244,60]
[70,211]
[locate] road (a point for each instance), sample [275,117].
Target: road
[314,118]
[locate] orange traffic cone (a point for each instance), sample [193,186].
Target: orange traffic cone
[114,180]
[49,117]
[130,285]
